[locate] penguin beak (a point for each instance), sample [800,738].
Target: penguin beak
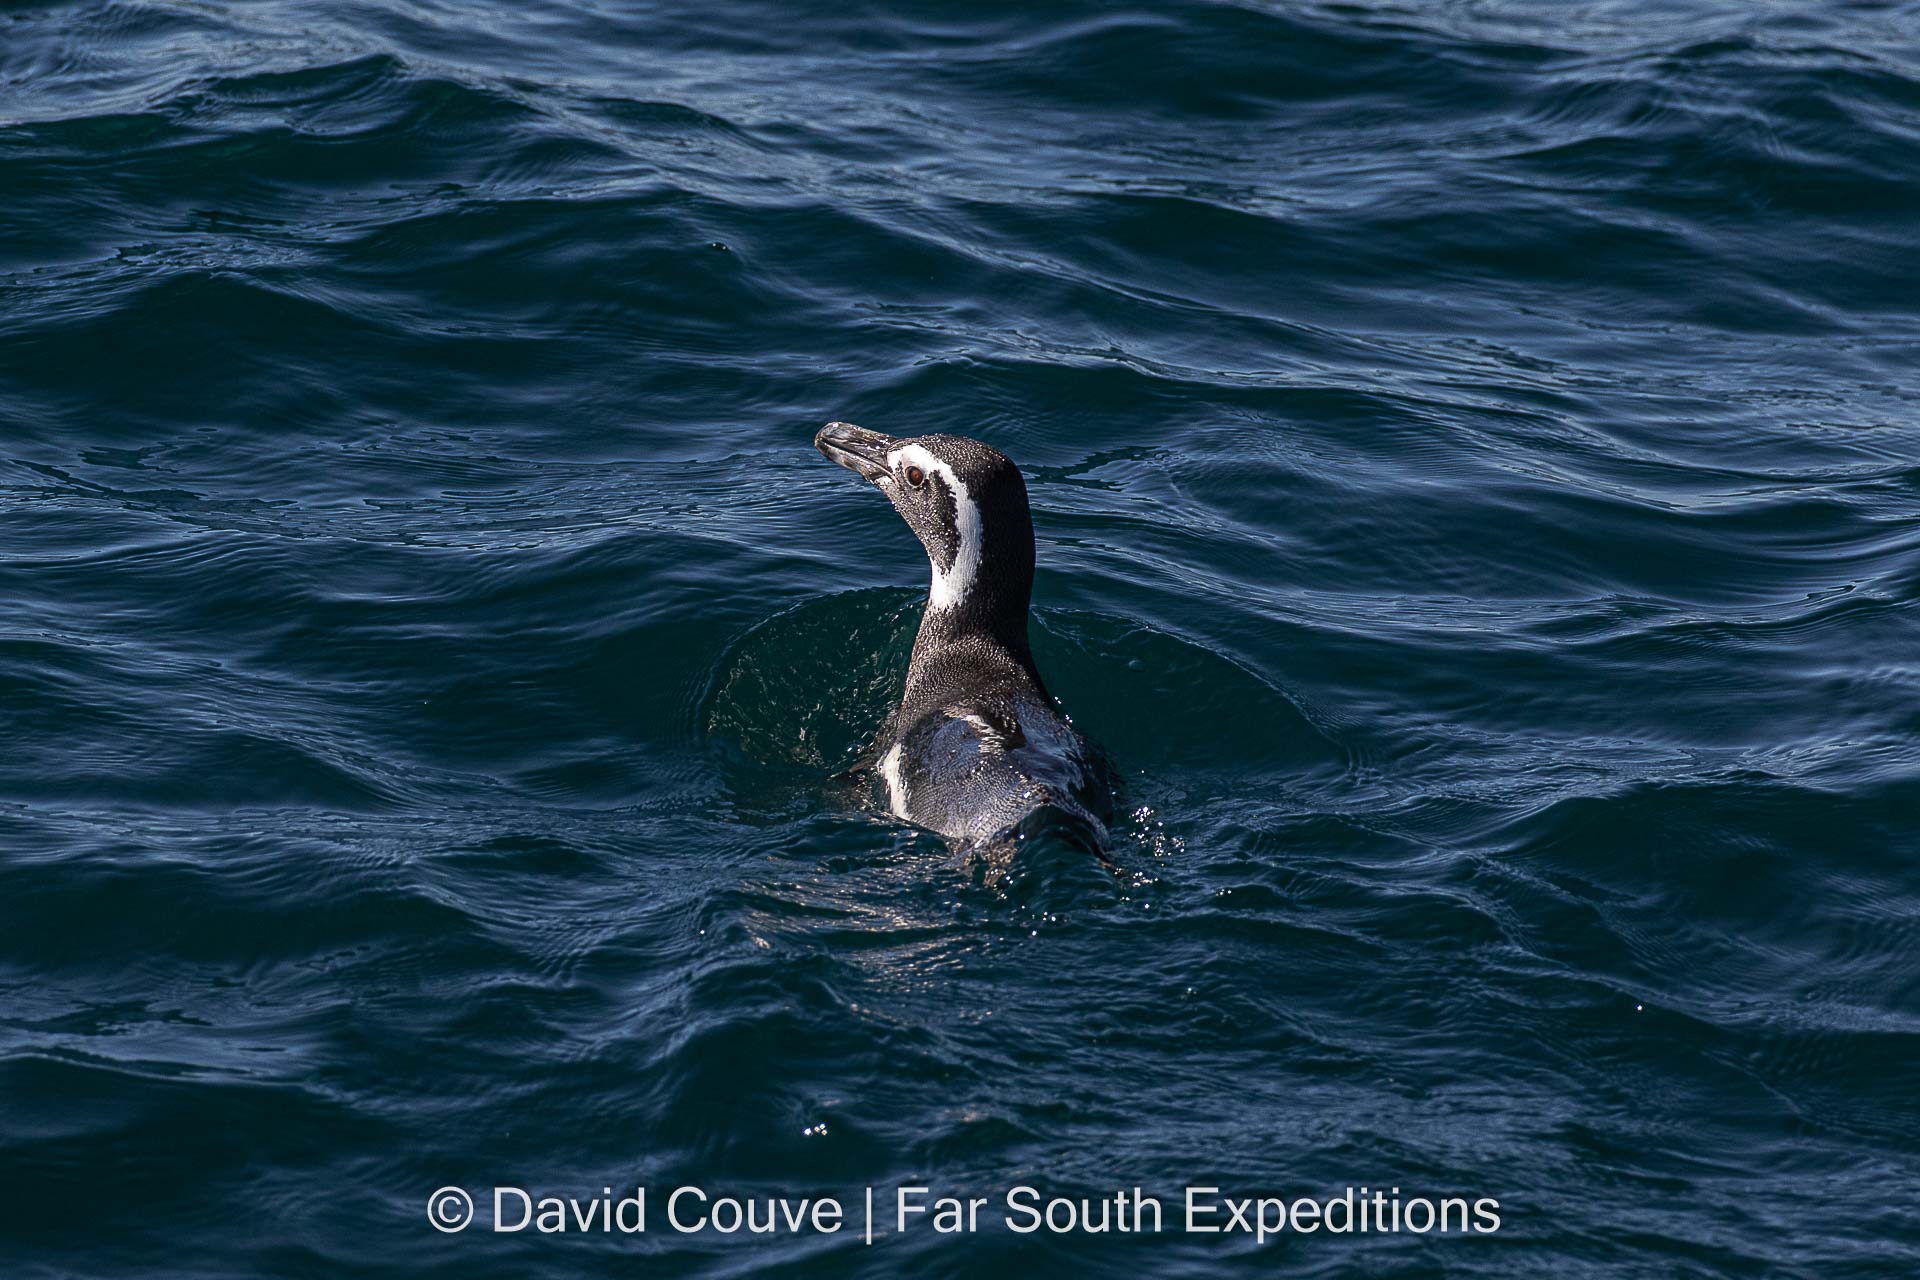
[855,448]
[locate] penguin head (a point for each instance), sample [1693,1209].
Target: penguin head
[967,504]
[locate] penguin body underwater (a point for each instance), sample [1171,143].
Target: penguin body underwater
[976,750]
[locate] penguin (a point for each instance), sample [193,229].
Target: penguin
[976,750]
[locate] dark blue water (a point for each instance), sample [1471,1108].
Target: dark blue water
[1475,452]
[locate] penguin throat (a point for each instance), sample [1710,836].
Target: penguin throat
[952,584]
[953,581]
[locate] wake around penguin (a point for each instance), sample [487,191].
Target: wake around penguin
[976,749]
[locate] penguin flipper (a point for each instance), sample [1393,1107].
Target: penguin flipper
[996,729]
[851,785]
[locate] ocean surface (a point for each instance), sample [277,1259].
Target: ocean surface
[1475,455]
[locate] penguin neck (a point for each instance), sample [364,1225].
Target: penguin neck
[993,611]
[1003,623]
[982,586]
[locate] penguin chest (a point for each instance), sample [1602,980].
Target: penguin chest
[972,772]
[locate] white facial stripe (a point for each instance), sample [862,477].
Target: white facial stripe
[950,585]
[896,785]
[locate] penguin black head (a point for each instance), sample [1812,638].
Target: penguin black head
[967,504]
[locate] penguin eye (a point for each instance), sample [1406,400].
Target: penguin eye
[916,477]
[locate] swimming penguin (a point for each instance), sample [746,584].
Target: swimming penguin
[976,747]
